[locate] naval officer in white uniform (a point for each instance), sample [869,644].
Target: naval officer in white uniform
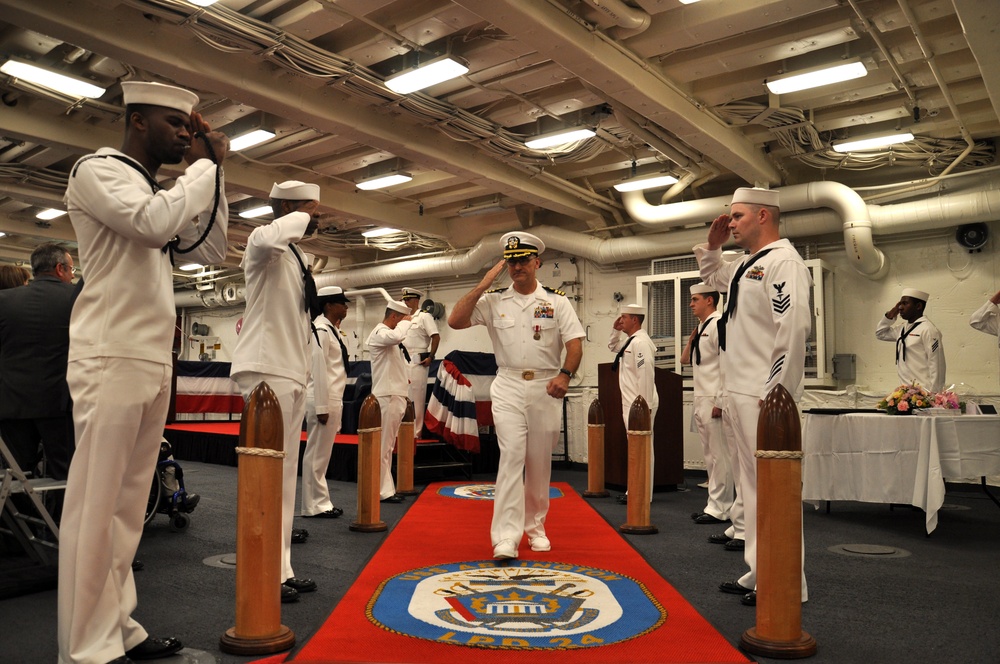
[529,325]
[390,385]
[919,348]
[324,402]
[274,342]
[762,335]
[421,344]
[635,354]
[120,362]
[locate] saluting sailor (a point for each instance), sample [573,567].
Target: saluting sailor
[530,325]
[120,363]
[420,344]
[919,349]
[762,334]
[635,354]
[274,341]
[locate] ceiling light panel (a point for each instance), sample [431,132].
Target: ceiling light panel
[430,73]
[815,77]
[64,83]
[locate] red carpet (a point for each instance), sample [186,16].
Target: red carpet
[433,594]
[233,429]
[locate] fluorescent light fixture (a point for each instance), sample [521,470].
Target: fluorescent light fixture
[816,76]
[638,184]
[191,267]
[872,142]
[2,234]
[51,213]
[253,213]
[560,137]
[383,181]
[250,139]
[64,83]
[209,3]
[688,2]
[487,207]
[432,72]
[379,232]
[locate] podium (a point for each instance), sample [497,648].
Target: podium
[668,430]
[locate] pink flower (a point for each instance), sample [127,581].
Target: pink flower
[903,406]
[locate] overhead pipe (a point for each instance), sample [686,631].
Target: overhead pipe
[629,21]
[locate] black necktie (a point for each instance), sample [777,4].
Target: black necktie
[406,353]
[733,294]
[618,357]
[309,286]
[695,349]
[901,341]
[343,349]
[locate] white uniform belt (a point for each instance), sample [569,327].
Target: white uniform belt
[529,374]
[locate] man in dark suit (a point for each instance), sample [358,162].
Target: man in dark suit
[34,341]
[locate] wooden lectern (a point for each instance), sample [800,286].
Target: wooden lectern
[668,431]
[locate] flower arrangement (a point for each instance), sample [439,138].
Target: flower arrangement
[946,399]
[905,399]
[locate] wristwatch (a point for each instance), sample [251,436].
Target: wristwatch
[566,371]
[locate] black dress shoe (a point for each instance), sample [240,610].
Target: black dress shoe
[301,585]
[750,599]
[734,588]
[137,565]
[707,519]
[695,515]
[329,514]
[736,545]
[153,648]
[394,498]
[299,535]
[719,538]
[288,594]
[622,499]
[190,502]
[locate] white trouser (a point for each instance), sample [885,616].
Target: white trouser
[291,397]
[119,409]
[417,374]
[745,412]
[652,453]
[717,462]
[316,460]
[393,407]
[527,422]
[737,528]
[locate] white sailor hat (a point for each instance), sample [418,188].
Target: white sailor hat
[755,196]
[398,307]
[411,292]
[158,94]
[915,294]
[293,190]
[701,288]
[517,244]
[334,294]
[634,309]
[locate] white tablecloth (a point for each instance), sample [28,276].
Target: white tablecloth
[879,458]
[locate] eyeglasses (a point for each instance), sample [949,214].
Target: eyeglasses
[71,268]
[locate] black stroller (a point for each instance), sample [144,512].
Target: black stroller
[167,494]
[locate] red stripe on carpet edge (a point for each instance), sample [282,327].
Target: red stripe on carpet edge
[232,429]
[439,530]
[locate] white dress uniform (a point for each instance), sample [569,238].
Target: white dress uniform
[527,419]
[987,319]
[273,345]
[765,347]
[390,386]
[636,378]
[324,396]
[708,395]
[119,374]
[417,341]
[919,351]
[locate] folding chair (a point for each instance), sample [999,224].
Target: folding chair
[25,527]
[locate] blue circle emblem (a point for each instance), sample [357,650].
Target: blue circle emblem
[484,491]
[516,605]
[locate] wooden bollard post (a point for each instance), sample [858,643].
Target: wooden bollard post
[640,435]
[369,463]
[779,533]
[595,452]
[258,627]
[405,453]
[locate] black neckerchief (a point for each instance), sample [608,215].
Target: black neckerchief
[312,299]
[734,291]
[901,341]
[618,357]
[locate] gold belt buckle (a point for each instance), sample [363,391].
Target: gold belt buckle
[528,374]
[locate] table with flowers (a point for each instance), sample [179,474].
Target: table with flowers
[883,458]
